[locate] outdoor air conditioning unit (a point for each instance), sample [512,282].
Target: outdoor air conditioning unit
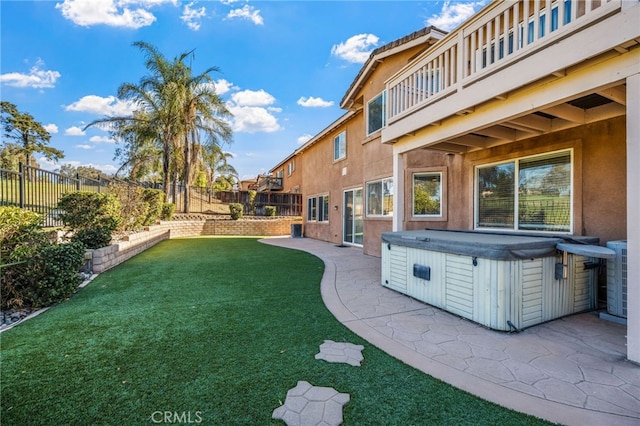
[617,280]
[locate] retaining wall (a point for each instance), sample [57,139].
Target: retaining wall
[110,256]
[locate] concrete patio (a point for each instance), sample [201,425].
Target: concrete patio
[571,370]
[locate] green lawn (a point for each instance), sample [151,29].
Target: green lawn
[219,328]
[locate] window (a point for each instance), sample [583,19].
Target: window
[531,194]
[291,167]
[380,198]
[340,146]
[318,208]
[311,209]
[427,194]
[323,208]
[377,113]
[280,173]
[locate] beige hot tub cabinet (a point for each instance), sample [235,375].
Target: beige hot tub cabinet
[502,281]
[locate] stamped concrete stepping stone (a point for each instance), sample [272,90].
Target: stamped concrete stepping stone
[347,353]
[311,405]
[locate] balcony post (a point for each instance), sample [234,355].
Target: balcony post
[633,206]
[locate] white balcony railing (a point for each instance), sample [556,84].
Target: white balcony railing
[500,34]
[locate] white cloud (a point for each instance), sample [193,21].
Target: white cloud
[247,12]
[82,146]
[314,102]
[304,139]
[48,165]
[101,139]
[253,112]
[356,49]
[249,119]
[37,77]
[51,128]
[223,86]
[116,13]
[192,17]
[252,98]
[109,106]
[453,14]
[74,131]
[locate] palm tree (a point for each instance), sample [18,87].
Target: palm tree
[178,109]
[217,166]
[204,116]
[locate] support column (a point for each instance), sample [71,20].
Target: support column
[398,190]
[633,226]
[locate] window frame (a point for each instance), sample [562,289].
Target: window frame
[383,112]
[323,208]
[441,174]
[312,212]
[340,146]
[516,192]
[318,208]
[382,181]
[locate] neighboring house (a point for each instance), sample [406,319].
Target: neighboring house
[288,175]
[526,118]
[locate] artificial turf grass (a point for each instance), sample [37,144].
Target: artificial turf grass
[219,327]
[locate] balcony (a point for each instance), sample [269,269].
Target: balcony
[269,183]
[504,47]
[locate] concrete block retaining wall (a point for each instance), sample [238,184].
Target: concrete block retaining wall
[110,256]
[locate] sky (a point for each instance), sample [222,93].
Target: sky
[283,66]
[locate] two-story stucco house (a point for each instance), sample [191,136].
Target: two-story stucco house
[524,119]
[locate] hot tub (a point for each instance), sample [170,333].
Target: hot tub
[502,281]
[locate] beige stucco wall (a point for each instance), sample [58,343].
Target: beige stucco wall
[367,160]
[599,178]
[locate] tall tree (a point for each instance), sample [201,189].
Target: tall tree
[204,122]
[29,135]
[180,110]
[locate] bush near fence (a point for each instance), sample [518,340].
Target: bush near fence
[40,190]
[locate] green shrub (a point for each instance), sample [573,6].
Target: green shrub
[93,238]
[16,223]
[167,211]
[236,210]
[44,272]
[155,201]
[270,211]
[56,274]
[83,209]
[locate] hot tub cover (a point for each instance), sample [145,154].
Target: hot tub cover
[482,244]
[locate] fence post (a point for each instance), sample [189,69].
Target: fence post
[77,181]
[21,172]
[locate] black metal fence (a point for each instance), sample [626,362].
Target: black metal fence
[40,190]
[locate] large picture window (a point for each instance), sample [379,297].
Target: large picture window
[531,194]
[377,113]
[340,146]
[380,198]
[427,194]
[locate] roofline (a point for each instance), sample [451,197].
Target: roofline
[331,127]
[378,55]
